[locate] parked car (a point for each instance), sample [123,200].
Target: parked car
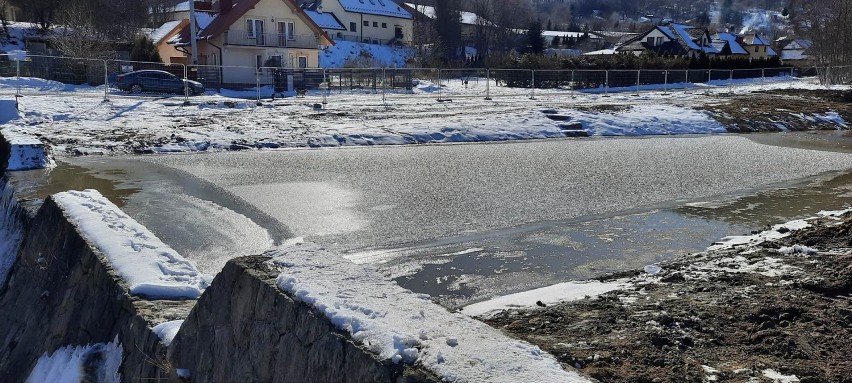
[155,81]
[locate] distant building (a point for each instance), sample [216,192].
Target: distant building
[756,46]
[796,52]
[671,40]
[364,21]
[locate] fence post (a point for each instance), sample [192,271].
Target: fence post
[638,79]
[665,82]
[439,84]
[572,85]
[18,77]
[106,82]
[532,89]
[185,86]
[731,78]
[257,85]
[384,79]
[606,84]
[763,75]
[488,84]
[325,80]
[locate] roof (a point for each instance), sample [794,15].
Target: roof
[325,20]
[682,33]
[755,39]
[798,44]
[375,7]
[468,18]
[731,40]
[157,35]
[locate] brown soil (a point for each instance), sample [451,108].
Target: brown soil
[740,323]
[781,109]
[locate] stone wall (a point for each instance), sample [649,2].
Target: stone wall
[245,329]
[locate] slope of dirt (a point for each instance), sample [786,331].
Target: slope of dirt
[742,314]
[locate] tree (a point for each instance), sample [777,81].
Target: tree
[448,27]
[144,50]
[535,41]
[42,12]
[555,42]
[828,24]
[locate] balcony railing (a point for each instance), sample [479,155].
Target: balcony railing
[271,40]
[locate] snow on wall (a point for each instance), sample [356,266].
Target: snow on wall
[25,152]
[167,331]
[65,365]
[405,327]
[150,267]
[10,230]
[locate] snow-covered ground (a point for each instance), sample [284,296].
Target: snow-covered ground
[76,120]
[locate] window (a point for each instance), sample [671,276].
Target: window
[254,28]
[366,23]
[303,61]
[756,49]
[659,41]
[384,25]
[353,27]
[375,24]
[286,31]
[650,41]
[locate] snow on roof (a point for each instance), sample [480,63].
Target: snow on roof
[792,55]
[158,34]
[668,32]
[755,39]
[683,32]
[575,35]
[403,327]
[468,18]
[203,19]
[731,39]
[375,7]
[325,20]
[600,52]
[150,268]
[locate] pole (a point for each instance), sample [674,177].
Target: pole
[762,75]
[666,82]
[532,91]
[573,91]
[18,77]
[638,79]
[327,87]
[193,33]
[488,84]
[185,87]
[106,81]
[731,78]
[606,85]
[439,85]
[384,80]
[257,83]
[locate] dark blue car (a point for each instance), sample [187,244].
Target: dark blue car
[155,81]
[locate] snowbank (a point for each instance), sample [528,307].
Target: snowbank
[562,292]
[405,327]
[373,55]
[776,232]
[640,120]
[150,268]
[66,364]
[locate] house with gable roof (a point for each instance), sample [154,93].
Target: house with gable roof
[671,40]
[728,46]
[757,46]
[796,51]
[245,35]
[365,21]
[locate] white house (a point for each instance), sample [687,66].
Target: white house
[796,51]
[366,21]
[245,35]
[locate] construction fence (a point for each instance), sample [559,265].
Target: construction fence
[34,75]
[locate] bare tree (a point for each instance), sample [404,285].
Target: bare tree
[79,36]
[43,12]
[828,23]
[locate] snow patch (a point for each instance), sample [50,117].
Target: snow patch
[26,152]
[776,232]
[65,365]
[778,377]
[167,331]
[150,268]
[404,327]
[562,292]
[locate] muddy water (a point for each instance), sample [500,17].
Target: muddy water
[466,222]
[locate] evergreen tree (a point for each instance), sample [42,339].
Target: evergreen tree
[448,27]
[535,41]
[144,50]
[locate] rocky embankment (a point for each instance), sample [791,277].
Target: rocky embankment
[778,310]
